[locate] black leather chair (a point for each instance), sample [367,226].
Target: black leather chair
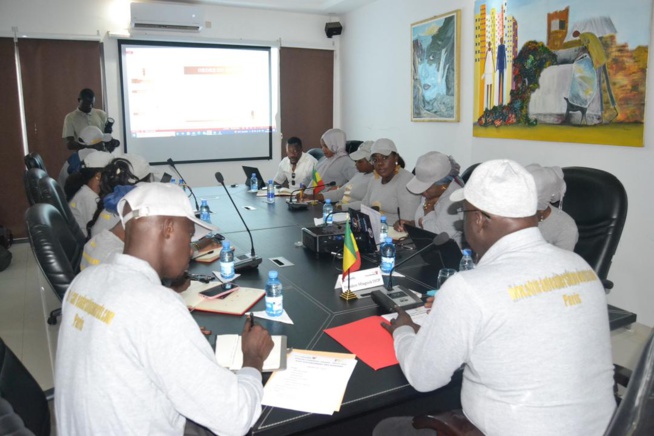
[352,145]
[31,181]
[34,160]
[317,153]
[52,193]
[597,201]
[57,250]
[23,405]
[466,174]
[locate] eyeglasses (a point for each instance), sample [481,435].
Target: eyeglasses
[380,159]
[292,179]
[462,210]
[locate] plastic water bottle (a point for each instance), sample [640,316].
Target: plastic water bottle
[226,261]
[254,182]
[270,195]
[182,184]
[205,212]
[274,297]
[466,261]
[383,229]
[173,181]
[328,213]
[387,255]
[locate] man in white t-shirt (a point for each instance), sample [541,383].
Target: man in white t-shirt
[296,167]
[85,115]
[529,324]
[130,358]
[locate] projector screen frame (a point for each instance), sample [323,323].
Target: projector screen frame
[273,100]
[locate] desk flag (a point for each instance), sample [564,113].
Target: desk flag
[317,183]
[351,256]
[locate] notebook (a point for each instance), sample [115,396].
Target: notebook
[447,255]
[248,174]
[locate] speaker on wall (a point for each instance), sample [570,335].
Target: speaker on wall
[333,28]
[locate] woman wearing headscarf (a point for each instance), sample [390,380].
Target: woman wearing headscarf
[557,227]
[437,176]
[353,191]
[387,189]
[337,165]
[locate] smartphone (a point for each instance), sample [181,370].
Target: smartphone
[220,291]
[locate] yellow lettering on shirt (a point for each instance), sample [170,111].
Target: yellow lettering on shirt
[78,322]
[91,307]
[572,300]
[545,285]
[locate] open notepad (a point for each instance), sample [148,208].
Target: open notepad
[236,303]
[230,355]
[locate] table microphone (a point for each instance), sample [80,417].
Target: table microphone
[253,261]
[172,165]
[292,202]
[439,239]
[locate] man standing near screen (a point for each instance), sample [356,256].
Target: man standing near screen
[85,115]
[296,167]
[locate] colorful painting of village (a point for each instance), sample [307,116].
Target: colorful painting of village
[556,70]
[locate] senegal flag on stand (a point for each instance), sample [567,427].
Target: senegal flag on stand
[351,256]
[317,183]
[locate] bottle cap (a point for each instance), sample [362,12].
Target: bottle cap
[383,218]
[389,240]
[272,274]
[203,202]
[254,174]
[467,252]
[270,182]
[226,245]
[328,201]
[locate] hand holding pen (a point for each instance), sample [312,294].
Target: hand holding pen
[255,343]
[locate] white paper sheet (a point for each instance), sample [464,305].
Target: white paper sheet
[418,315]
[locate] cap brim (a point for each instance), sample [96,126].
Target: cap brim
[458,195]
[358,155]
[415,186]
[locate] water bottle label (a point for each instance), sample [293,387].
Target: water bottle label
[206,217]
[387,264]
[274,305]
[227,270]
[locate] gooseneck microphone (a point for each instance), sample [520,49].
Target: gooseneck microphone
[254,261]
[171,163]
[439,239]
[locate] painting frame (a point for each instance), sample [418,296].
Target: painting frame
[435,68]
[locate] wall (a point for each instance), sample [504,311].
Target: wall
[376,98]
[79,19]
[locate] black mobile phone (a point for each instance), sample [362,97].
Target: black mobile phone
[220,291]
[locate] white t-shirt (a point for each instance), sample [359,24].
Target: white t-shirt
[303,171]
[530,324]
[445,217]
[106,221]
[392,196]
[132,361]
[100,248]
[559,229]
[351,193]
[77,120]
[83,205]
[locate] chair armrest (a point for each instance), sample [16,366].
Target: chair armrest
[49,394]
[452,423]
[608,285]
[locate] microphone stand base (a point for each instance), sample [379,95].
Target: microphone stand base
[292,205]
[247,263]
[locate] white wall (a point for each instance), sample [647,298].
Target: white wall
[74,19]
[376,98]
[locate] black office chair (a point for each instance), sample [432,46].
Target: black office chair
[317,153]
[52,193]
[34,160]
[23,405]
[466,174]
[352,145]
[31,181]
[57,250]
[597,201]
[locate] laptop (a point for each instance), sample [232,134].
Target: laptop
[447,255]
[248,174]
[363,231]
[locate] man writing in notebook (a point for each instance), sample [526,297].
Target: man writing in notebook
[529,324]
[130,358]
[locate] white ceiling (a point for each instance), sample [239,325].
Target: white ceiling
[305,6]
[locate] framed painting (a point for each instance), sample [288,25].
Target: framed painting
[435,53]
[557,70]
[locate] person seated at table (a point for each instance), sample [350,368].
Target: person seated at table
[296,167]
[353,191]
[130,357]
[529,324]
[387,189]
[85,187]
[437,176]
[336,166]
[558,228]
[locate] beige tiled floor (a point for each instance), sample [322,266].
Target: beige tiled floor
[25,307]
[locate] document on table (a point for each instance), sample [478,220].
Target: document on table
[314,382]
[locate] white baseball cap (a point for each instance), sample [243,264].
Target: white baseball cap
[140,166]
[161,199]
[431,168]
[549,184]
[97,159]
[500,187]
[383,146]
[363,152]
[91,135]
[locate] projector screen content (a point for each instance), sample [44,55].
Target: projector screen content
[197,102]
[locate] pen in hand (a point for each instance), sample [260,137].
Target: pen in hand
[399,218]
[251,320]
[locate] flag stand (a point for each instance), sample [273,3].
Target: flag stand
[348,295]
[351,260]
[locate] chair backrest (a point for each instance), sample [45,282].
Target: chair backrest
[57,251]
[352,145]
[34,160]
[22,392]
[635,415]
[52,193]
[466,174]
[31,182]
[317,153]
[597,201]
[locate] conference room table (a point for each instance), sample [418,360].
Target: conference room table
[314,304]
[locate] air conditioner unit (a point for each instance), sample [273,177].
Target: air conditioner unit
[166,16]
